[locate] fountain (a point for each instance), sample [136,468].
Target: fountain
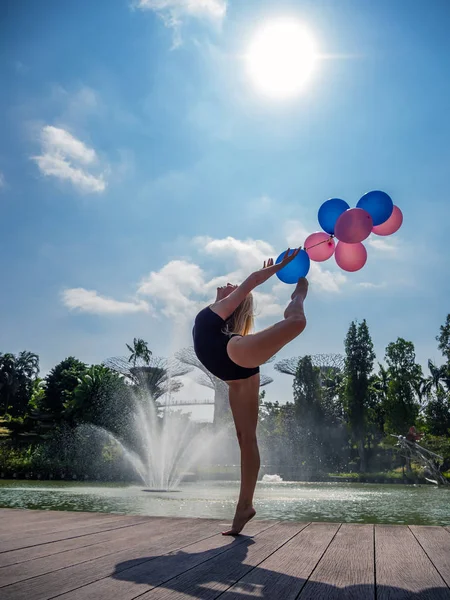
[272,479]
[164,449]
[430,461]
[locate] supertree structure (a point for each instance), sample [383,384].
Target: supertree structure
[334,362]
[156,375]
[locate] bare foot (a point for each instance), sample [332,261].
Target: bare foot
[241,518]
[301,289]
[295,307]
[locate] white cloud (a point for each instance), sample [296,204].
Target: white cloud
[268,305]
[60,142]
[62,169]
[371,286]
[182,287]
[173,286]
[59,149]
[383,245]
[211,9]
[89,301]
[247,254]
[326,280]
[173,12]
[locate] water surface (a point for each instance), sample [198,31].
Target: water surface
[286,501]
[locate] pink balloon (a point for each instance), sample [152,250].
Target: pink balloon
[319,246]
[353,226]
[350,257]
[392,225]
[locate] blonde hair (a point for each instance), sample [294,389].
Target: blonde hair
[241,321]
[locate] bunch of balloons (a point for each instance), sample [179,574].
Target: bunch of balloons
[374,213]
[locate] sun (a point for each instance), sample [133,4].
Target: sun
[281,58]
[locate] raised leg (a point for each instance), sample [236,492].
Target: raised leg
[255,349]
[244,396]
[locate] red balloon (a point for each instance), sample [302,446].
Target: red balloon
[392,225]
[350,257]
[353,226]
[319,246]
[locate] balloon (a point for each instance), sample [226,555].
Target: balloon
[392,225]
[350,257]
[378,204]
[297,268]
[329,213]
[353,226]
[319,246]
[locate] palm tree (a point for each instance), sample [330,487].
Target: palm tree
[17,374]
[437,381]
[139,350]
[28,364]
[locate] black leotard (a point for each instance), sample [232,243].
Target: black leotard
[210,345]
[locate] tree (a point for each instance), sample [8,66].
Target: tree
[358,368]
[139,350]
[101,398]
[307,393]
[437,413]
[438,382]
[308,412]
[436,389]
[60,385]
[404,374]
[444,339]
[330,369]
[17,374]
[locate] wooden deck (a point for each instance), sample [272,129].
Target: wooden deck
[110,557]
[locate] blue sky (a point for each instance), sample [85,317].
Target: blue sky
[139,167]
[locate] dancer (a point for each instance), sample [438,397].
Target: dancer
[224,345]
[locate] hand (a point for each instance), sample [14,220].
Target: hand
[269,268]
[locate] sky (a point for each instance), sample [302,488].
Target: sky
[140,168]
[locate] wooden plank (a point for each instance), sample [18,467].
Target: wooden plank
[213,577]
[21,515]
[133,577]
[24,515]
[26,519]
[285,572]
[436,543]
[402,568]
[123,539]
[24,554]
[56,525]
[70,578]
[24,541]
[346,570]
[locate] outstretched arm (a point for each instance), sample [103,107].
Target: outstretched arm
[226,307]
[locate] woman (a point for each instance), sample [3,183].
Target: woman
[225,346]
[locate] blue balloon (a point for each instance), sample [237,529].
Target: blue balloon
[329,213]
[297,268]
[378,204]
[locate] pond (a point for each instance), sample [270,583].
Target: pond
[286,501]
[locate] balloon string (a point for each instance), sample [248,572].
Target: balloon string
[318,243]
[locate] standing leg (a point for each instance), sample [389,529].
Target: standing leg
[254,350]
[244,397]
